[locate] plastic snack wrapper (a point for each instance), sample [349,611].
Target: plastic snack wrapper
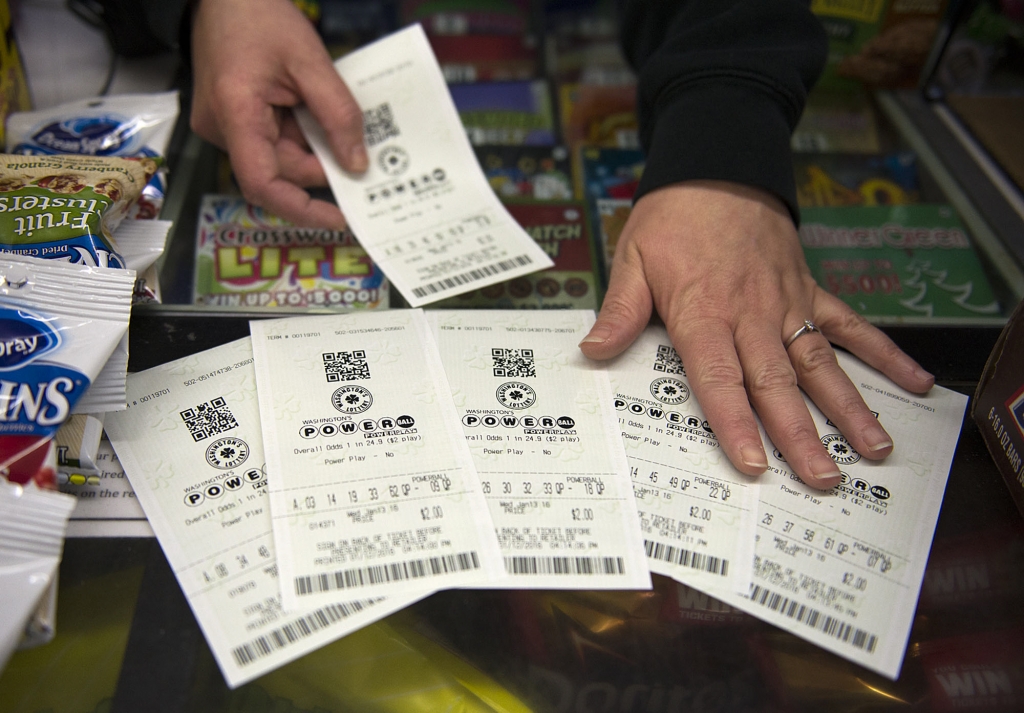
[127,125]
[67,207]
[77,443]
[32,524]
[141,243]
[59,324]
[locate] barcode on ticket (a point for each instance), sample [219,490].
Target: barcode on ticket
[296,630]
[379,574]
[686,558]
[472,276]
[565,565]
[813,618]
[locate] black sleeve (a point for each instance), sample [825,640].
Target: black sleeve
[721,86]
[139,28]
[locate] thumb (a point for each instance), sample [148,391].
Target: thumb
[335,109]
[625,312]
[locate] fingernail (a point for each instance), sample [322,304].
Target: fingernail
[753,456]
[922,374]
[823,470]
[598,335]
[877,440]
[358,159]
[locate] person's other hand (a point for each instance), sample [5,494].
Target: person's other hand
[723,266]
[252,61]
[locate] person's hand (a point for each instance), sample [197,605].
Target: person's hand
[252,61]
[723,266]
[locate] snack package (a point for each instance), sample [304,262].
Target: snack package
[77,443]
[67,207]
[32,524]
[59,324]
[128,125]
[141,243]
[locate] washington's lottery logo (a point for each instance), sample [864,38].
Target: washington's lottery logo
[393,160]
[227,453]
[351,399]
[516,394]
[840,449]
[670,391]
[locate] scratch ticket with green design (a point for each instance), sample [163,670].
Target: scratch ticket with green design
[66,207]
[903,263]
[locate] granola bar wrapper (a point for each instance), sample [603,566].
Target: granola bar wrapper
[59,324]
[67,207]
[130,125]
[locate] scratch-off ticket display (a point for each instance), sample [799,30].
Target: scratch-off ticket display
[697,512]
[538,418]
[191,446]
[247,257]
[372,487]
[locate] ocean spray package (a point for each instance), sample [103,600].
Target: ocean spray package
[32,525]
[67,207]
[128,125]
[141,243]
[59,324]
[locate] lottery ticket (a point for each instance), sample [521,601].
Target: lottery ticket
[843,568]
[539,421]
[424,210]
[191,446]
[697,512]
[372,487]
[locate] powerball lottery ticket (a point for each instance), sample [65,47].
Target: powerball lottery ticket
[843,568]
[372,486]
[538,418]
[697,513]
[424,210]
[190,444]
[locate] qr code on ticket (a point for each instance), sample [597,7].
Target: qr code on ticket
[208,419]
[346,366]
[667,360]
[513,363]
[379,124]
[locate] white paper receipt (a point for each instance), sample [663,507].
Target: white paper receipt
[372,487]
[424,210]
[698,514]
[538,417]
[190,443]
[843,568]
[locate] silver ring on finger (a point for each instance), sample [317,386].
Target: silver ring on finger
[807,328]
